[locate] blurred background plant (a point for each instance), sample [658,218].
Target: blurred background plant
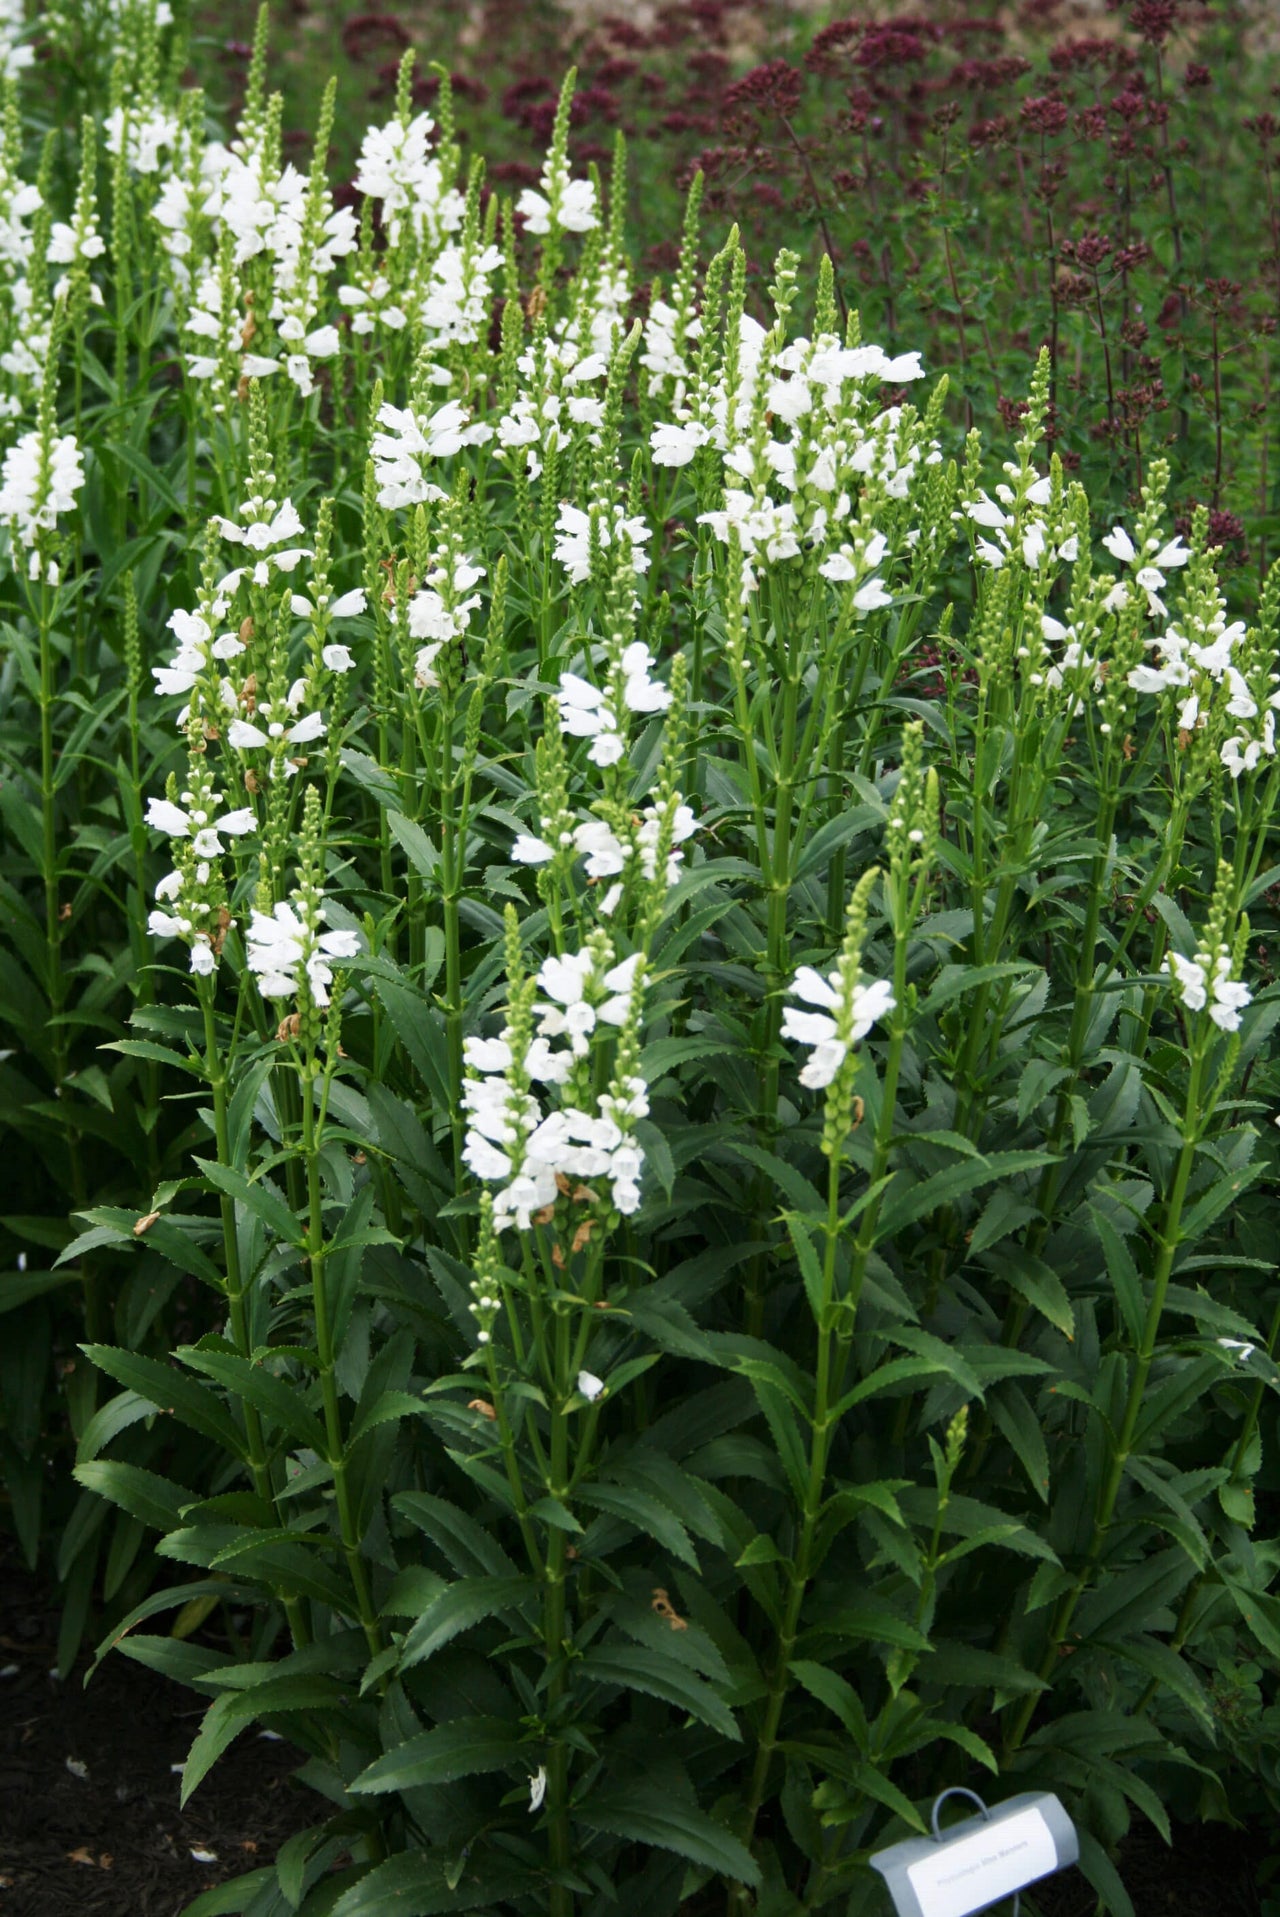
[986,178]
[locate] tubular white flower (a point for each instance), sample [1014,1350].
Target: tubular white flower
[196,824]
[406,441]
[285,946]
[1204,983]
[847,1016]
[36,487]
[573,538]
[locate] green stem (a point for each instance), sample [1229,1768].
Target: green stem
[560,1841]
[237,1314]
[316,1255]
[1193,1127]
[837,1320]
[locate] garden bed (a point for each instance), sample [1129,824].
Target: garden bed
[113,1842]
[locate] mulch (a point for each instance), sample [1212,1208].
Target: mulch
[90,1824]
[89,1817]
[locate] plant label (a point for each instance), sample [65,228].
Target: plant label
[980,1861]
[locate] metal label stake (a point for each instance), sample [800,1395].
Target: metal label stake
[981,1860]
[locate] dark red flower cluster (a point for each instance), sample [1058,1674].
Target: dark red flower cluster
[364,34]
[768,92]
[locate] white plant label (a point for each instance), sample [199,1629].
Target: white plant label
[978,1870]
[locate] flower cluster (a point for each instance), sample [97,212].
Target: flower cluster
[615,847]
[536,1158]
[849,1009]
[192,897]
[588,713]
[803,437]
[42,474]
[285,947]
[398,169]
[401,451]
[1204,983]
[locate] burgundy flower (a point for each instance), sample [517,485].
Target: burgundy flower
[1045,112]
[768,91]
[995,132]
[831,45]
[363,33]
[1154,20]
[1170,314]
[1225,530]
[622,33]
[892,44]
[1073,56]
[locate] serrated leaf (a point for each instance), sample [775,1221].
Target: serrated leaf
[465,1747]
[170,1391]
[635,1667]
[457,1608]
[643,1815]
[257,1198]
[156,1501]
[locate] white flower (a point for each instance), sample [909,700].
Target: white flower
[675,445]
[570,204]
[35,489]
[1120,546]
[847,1017]
[573,538]
[397,167]
[282,947]
[590,1386]
[406,441]
[1189,976]
[537,1788]
[203,832]
[1204,983]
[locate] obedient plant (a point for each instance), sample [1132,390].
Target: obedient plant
[636,967]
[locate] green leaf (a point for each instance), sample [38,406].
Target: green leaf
[20,1287]
[636,1505]
[194,1665]
[1104,1877]
[1123,1273]
[281,1399]
[228,1715]
[218,1730]
[907,1202]
[415,1884]
[170,1391]
[634,1667]
[233,1898]
[157,1501]
[837,1694]
[457,1608]
[465,1747]
[414,843]
[643,1814]
[1261,1613]
[1014,1418]
[468,1546]
[257,1198]
[1035,1281]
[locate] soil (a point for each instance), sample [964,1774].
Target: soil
[89,1817]
[90,1824]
